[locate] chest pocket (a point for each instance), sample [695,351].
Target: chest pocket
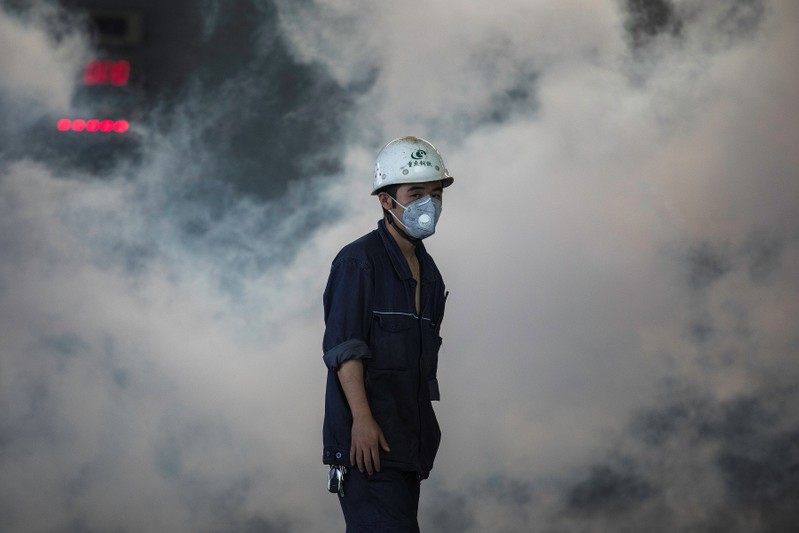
[393,341]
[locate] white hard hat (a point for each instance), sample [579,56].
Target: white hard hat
[409,160]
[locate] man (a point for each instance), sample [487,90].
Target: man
[383,307]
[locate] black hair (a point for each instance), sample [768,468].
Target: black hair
[391,190]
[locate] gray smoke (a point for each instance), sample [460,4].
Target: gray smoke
[621,245]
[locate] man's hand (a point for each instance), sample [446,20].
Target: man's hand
[367,439]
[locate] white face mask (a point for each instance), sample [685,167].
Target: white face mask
[420,216]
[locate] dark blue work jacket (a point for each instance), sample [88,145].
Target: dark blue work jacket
[370,314]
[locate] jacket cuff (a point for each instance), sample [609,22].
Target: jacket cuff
[336,456]
[351,349]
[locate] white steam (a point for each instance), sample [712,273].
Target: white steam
[621,246]
[40,58]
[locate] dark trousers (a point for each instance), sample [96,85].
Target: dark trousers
[385,502]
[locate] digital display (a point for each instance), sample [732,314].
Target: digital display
[93,125]
[107,72]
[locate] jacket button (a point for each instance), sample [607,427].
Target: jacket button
[338,455]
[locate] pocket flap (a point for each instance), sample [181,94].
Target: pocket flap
[394,322]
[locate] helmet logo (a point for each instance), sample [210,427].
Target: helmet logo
[418,154]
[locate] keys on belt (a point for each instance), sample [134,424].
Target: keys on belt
[335,479]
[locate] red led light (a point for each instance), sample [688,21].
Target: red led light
[107,72]
[93,125]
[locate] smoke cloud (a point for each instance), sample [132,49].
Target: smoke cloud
[621,245]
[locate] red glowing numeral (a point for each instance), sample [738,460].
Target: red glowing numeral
[107,72]
[93,125]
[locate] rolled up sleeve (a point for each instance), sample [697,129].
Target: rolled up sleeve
[351,349]
[347,305]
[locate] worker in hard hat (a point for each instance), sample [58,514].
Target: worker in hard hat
[383,307]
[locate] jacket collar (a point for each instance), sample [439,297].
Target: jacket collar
[398,260]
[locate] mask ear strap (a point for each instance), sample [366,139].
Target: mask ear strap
[401,231]
[399,204]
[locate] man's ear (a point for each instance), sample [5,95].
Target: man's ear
[385,201]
